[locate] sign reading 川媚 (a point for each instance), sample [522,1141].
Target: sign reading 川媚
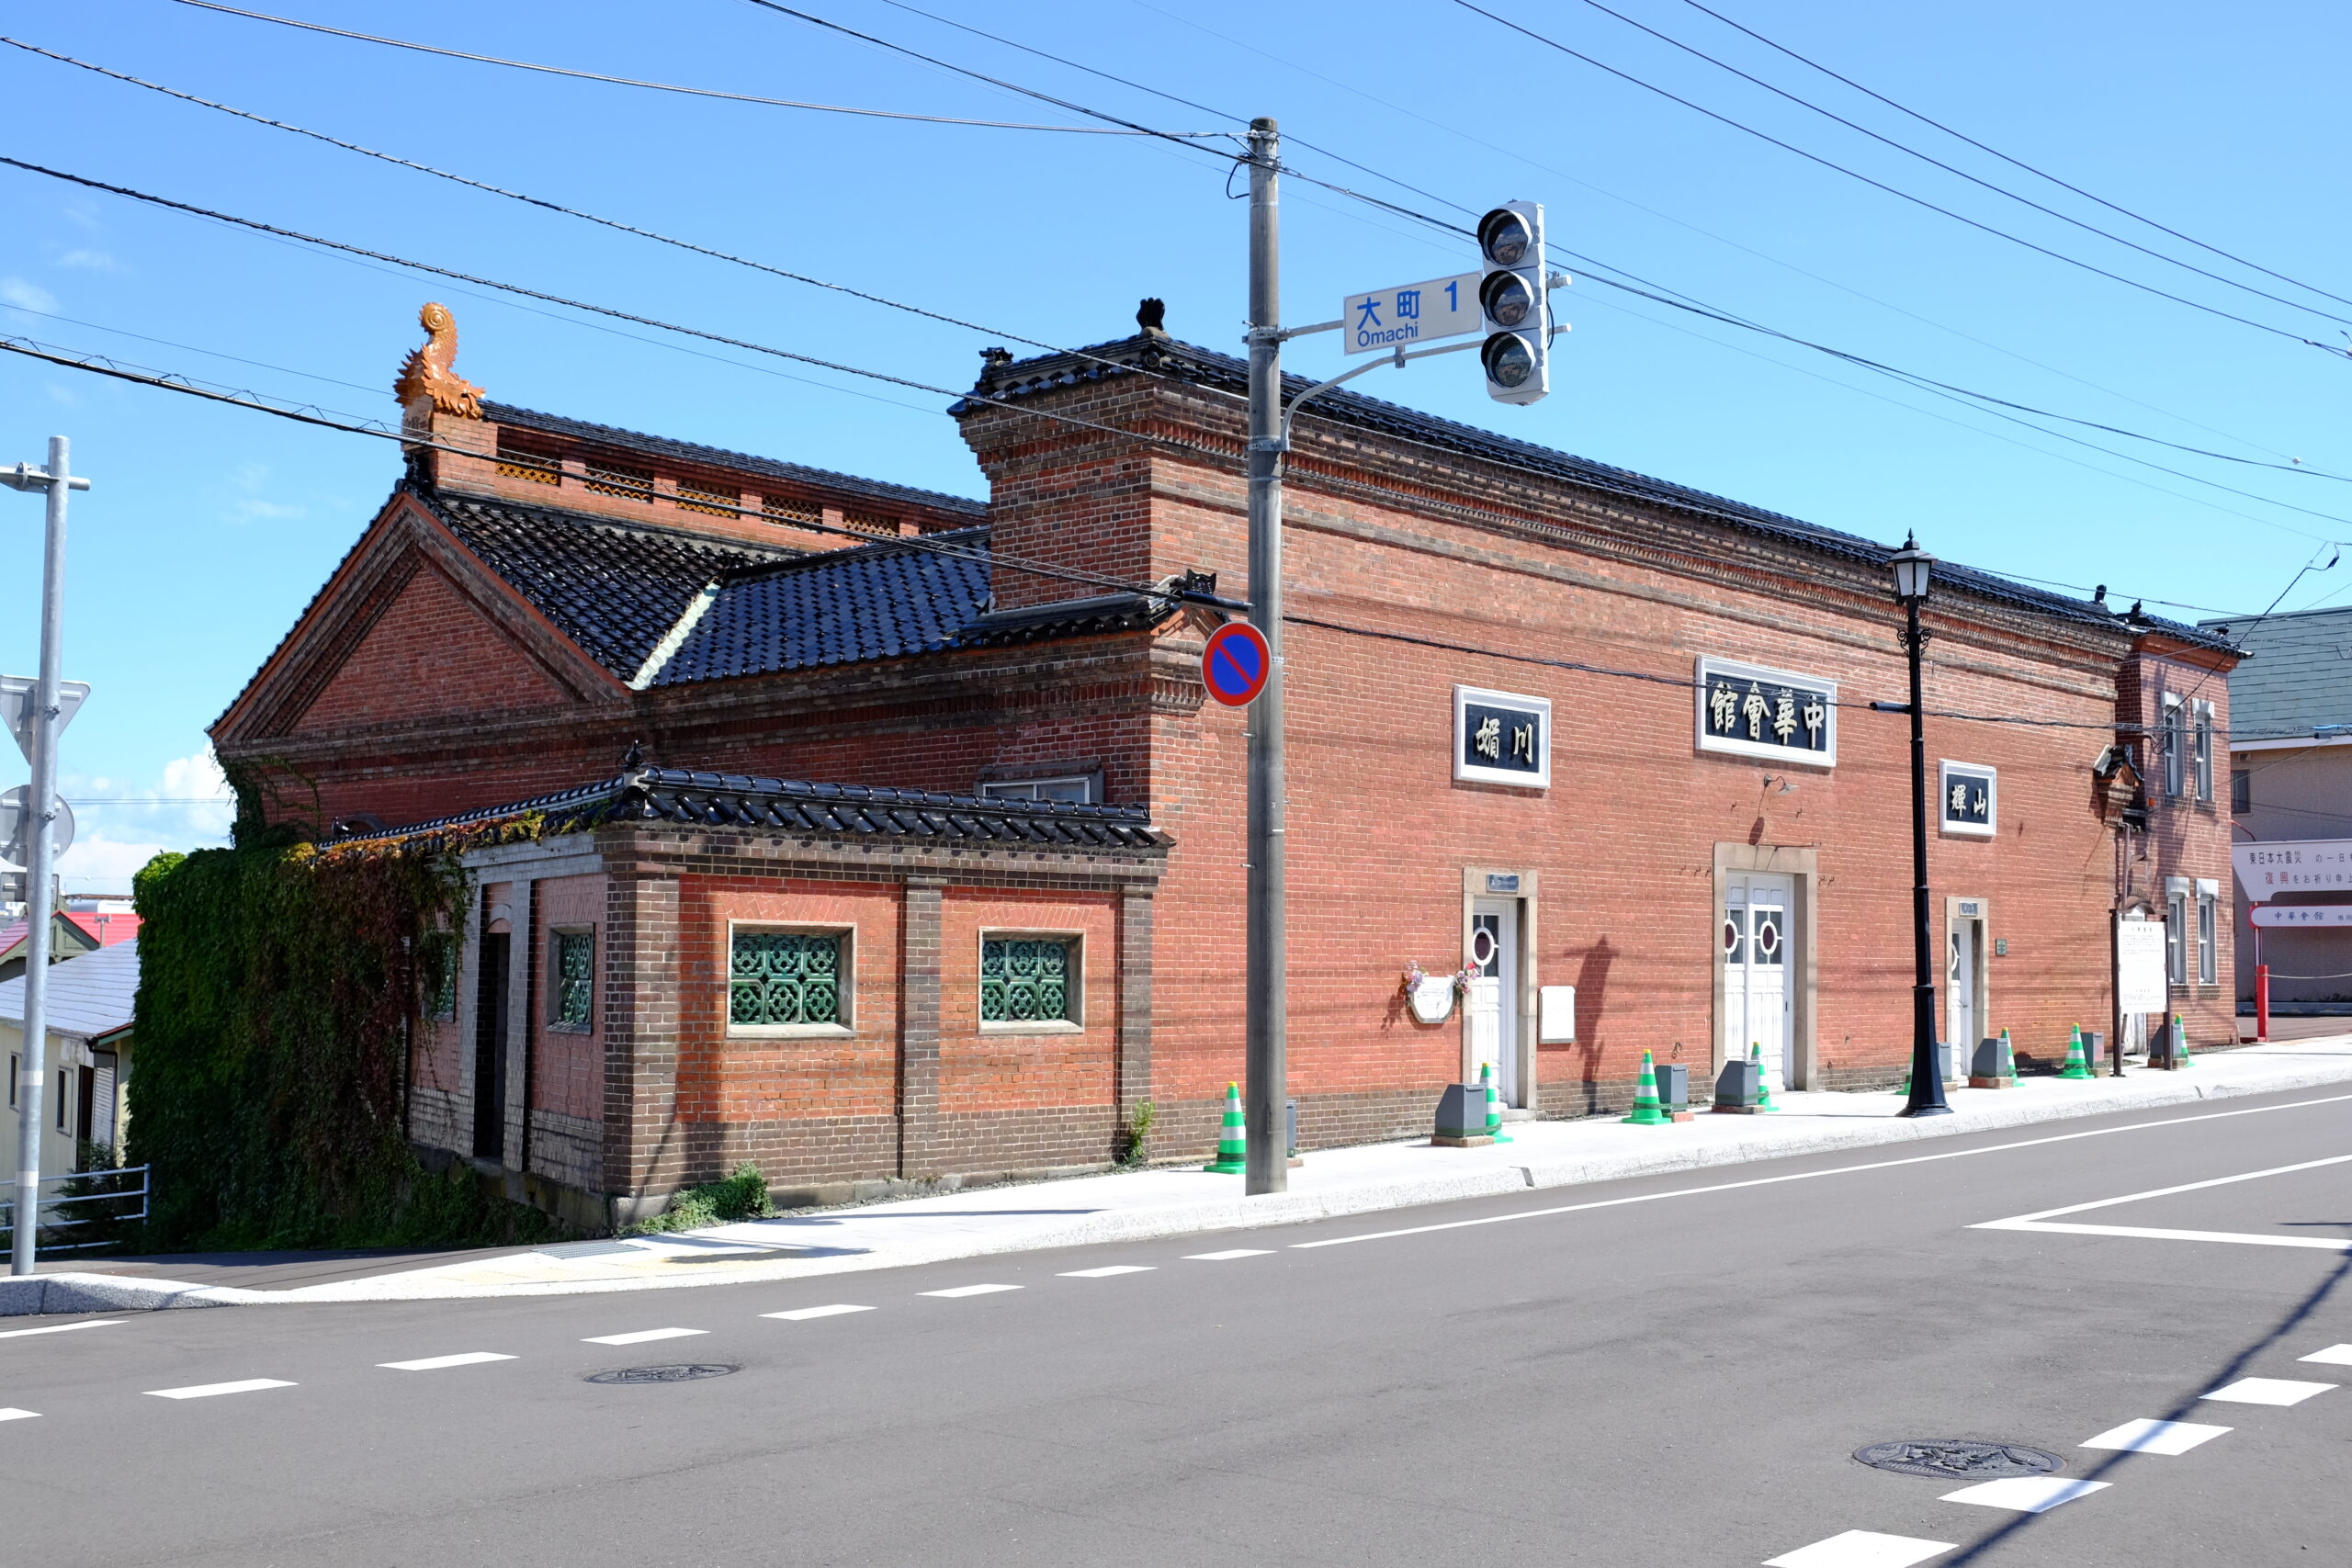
[1415,313]
[1501,738]
[2292,865]
[1753,711]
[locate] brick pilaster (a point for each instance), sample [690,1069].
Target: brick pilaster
[643,1154]
[1134,1081]
[919,1026]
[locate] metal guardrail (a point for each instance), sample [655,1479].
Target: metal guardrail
[124,1194]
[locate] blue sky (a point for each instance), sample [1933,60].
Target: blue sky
[209,528]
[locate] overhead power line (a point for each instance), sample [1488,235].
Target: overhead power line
[690,92]
[2014,163]
[1960,173]
[1880,184]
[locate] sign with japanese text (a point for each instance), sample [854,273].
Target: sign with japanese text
[1968,800]
[2292,865]
[2140,967]
[2272,916]
[1753,711]
[1387,319]
[1501,738]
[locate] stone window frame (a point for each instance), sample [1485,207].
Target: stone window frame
[1946,770]
[558,935]
[2208,930]
[1009,789]
[845,1025]
[1075,998]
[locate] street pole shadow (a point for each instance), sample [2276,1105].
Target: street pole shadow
[2290,1324]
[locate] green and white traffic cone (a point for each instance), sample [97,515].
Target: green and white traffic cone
[1648,1113]
[2077,1065]
[1493,1103]
[2179,1042]
[1233,1140]
[2008,1056]
[1763,1088]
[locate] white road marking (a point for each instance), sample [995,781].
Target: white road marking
[2036,1222]
[1107,1271]
[1861,1548]
[207,1390]
[2026,1494]
[1812,1175]
[435,1363]
[2271,1391]
[64,1327]
[802,1314]
[12,1414]
[971,1290]
[1227,1256]
[2152,1436]
[2334,1356]
[643,1335]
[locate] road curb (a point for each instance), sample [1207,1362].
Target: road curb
[97,1293]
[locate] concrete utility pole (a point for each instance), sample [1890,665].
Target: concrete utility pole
[40,905]
[1267,1069]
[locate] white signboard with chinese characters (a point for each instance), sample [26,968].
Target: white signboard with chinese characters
[1753,711]
[1502,738]
[2292,865]
[2140,966]
[1968,800]
[2273,916]
[1388,318]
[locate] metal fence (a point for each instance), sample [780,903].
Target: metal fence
[119,1190]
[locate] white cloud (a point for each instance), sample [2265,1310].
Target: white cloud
[99,864]
[96,261]
[25,295]
[112,841]
[251,479]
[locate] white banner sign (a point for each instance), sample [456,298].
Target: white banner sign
[1411,313]
[2140,967]
[2292,865]
[2301,914]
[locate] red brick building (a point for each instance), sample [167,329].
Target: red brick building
[1554,722]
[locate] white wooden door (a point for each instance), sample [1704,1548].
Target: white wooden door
[1754,945]
[1493,1002]
[1965,959]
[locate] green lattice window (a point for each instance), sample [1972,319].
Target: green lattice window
[784,977]
[444,984]
[1028,980]
[575,984]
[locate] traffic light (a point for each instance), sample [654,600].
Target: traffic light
[1512,302]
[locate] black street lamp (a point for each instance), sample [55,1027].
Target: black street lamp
[1913,566]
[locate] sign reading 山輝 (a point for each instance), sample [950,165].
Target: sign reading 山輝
[1752,711]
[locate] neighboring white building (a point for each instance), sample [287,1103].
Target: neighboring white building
[90,1000]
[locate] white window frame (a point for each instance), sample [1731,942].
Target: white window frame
[845,1029]
[2176,936]
[2174,735]
[1510,778]
[1077,994]
[2201,755]
[1793,756]
[2208,932]
[1012,789]
[556,934]
[1947,770]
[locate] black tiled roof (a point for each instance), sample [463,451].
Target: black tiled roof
[1206,367]
[847,811]
[614,587]
[687,451]
[880,601]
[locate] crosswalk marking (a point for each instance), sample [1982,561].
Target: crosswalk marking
[802,1314]
[2026,1494]
[2333,1356]
[64,1327]
[2148,1435]
[435,1363]
[2269,1390]
[971,1290]
[207,1390]
[1227,1256]
[12,1414]
[643,1335]
[1861,1548]
[1107,1271]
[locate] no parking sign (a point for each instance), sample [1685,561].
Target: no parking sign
[1235,664]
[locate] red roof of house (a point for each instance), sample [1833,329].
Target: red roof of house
[98,926]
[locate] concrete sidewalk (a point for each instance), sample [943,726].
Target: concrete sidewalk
[1147,1204]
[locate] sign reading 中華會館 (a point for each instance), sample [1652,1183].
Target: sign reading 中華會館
[1753,711]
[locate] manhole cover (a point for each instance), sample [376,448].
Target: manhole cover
[1942,1458]
[682,1372]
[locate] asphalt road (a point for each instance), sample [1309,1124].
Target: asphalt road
[1669,1372]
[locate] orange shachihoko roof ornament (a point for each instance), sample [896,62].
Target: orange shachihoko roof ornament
[430,370]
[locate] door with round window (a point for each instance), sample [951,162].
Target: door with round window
[1753,943]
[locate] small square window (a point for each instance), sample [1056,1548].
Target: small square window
[572,979]
[781,979]
[1029,980]
[1080,789]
